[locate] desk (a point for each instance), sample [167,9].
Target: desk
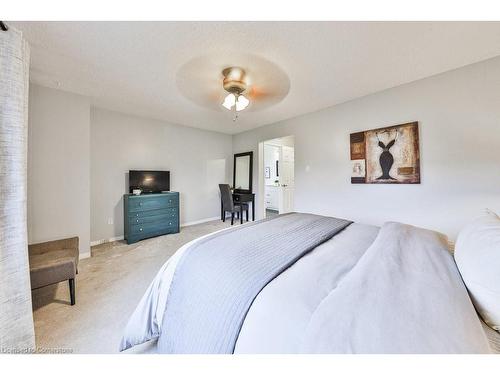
[241,198]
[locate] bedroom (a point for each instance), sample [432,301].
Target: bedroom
[275,178]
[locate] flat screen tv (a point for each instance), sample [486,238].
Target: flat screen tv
[149,181]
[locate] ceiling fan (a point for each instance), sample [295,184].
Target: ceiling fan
[235,84]
[251,83]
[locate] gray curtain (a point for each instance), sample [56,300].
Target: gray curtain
[16,318]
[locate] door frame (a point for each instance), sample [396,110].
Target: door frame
[261,211]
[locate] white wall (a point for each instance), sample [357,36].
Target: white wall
[198,161]
[79,157]
[58,167]
[459,118]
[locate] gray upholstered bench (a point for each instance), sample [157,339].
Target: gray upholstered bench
[54,261]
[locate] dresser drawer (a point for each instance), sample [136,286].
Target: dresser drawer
[153,218]
[163,211]
[153,203]
[159,227]
[172,200]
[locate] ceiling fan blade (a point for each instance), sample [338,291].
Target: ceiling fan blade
[259,94]
[200,81]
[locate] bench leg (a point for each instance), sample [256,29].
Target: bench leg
[72,291]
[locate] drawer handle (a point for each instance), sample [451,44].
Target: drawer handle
[170,201]
[140,229]
[140,203]
[137,215]
[170,223]
[137,220]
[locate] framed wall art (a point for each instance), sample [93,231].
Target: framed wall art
[388,155]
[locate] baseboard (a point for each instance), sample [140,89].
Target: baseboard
[200,221]
[100,242]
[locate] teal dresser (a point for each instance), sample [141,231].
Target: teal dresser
[150,215]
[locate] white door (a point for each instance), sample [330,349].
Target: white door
[286,177]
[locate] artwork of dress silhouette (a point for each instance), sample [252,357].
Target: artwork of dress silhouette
[386,159]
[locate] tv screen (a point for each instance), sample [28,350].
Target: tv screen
[149,181]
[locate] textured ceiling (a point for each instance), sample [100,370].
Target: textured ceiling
[134,67]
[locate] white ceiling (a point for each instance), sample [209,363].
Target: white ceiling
[133,67]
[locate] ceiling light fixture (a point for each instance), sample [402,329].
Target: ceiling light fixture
[235,84]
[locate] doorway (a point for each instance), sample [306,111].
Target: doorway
[277,181]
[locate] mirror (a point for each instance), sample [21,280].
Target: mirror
[242,173]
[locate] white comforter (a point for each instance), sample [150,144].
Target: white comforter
[397,291]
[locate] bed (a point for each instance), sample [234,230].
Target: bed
[301,283]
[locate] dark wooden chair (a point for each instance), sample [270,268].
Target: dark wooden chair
[228,204]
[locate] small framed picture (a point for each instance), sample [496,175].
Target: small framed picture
[267,172]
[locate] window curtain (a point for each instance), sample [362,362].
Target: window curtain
[16,317]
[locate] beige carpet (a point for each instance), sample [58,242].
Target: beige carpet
[108,287]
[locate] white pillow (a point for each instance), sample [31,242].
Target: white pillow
[477,254]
